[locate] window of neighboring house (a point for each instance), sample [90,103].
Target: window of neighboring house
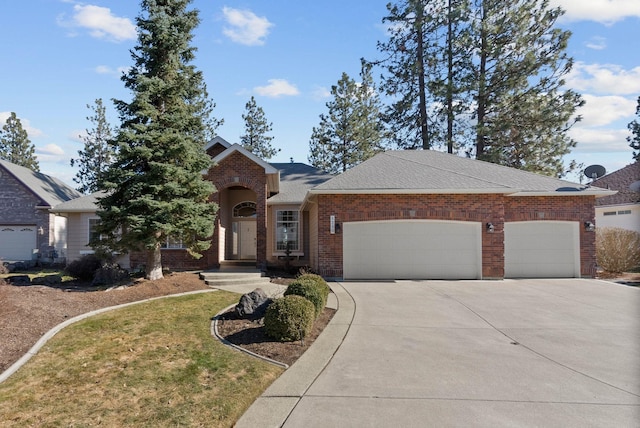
[172,243]
[287,226]
[624,212]
[93,233]
[609,213]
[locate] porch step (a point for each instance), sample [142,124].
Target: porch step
[234,277]
[237,264]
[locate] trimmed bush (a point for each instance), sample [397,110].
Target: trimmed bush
[617,250]
[310,290]
[289,318]
[318,280]
[85,267]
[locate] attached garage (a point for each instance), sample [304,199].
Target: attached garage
[412,249]
[17,242]
[542,249]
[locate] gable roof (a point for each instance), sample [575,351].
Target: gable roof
[273,176]
[295,181]
[83,204]
[428,171]
[50,190]
[620,180]
[217,140]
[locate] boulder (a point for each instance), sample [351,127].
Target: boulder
[48,280]
[19,280]
[253,304]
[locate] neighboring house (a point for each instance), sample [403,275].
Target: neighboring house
[622,209]
[399,215]
[28,229]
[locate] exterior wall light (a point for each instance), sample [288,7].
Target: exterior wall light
[589,226]
[490,228]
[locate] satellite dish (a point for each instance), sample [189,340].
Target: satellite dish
[595,171]
[635,186]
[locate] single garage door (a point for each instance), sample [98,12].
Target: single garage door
[17,242]
[412,249]
[542,249]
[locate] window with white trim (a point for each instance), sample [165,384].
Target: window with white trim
[93,233]
[172,243]
[287,228]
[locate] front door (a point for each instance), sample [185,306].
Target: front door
[247,231]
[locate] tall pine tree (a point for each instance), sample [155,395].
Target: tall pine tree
[351,131]
[256,128]
[98,152]
[15,146]
[155,186]
[634,140]
[492,67]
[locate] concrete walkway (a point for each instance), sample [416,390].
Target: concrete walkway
[467,353]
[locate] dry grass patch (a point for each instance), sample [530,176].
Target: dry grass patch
[152,364]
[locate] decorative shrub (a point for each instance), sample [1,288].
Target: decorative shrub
[109,274]
[289,318]
[85,267]
[318,280]
[311,290]
[617,250]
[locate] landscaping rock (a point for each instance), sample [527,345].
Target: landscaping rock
[19,280]
[253,304]
[109,275]
[48,280]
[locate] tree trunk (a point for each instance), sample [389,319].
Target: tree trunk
[424,127]
[482,87]
[450,116]
[153,269]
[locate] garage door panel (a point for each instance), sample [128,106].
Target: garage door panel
[412,250]
[540,249]
[17,242]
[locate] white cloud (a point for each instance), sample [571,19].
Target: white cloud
[597,43]
[245,27]
[101,23]
[105,69]
[604,11]
[602,111]
[26,125]
[277,88]
[604,79]
[51,153]
[600,140]
[320,93]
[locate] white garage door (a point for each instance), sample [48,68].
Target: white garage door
[541,249]
[412,249]
[17,242]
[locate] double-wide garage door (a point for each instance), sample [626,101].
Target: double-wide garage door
[412,249]
[17,242]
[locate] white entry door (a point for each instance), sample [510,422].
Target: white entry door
[247,239]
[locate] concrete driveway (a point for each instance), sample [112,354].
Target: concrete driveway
[469,353]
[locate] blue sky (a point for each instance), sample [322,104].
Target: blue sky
[60,55]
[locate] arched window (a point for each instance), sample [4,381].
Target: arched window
[245,210]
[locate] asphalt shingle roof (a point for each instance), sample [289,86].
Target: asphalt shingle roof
[620,180]
[88,203]
[51,190]
[428,170]
[295,180]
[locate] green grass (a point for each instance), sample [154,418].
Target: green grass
[151,365]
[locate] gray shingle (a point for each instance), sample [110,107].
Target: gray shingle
[51,190]
[295,180]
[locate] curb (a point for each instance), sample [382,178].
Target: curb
[48,335]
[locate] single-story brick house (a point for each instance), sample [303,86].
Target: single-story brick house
[28,230]
[399,215]
[622,209]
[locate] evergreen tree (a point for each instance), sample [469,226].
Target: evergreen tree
[493,67]
[155,185]
[522,112]
[256,128]
[15,146]
[351,132]
[634,140]
[98,153]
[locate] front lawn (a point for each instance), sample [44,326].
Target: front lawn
[152,364]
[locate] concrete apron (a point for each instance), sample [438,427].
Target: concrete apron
[477,353]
